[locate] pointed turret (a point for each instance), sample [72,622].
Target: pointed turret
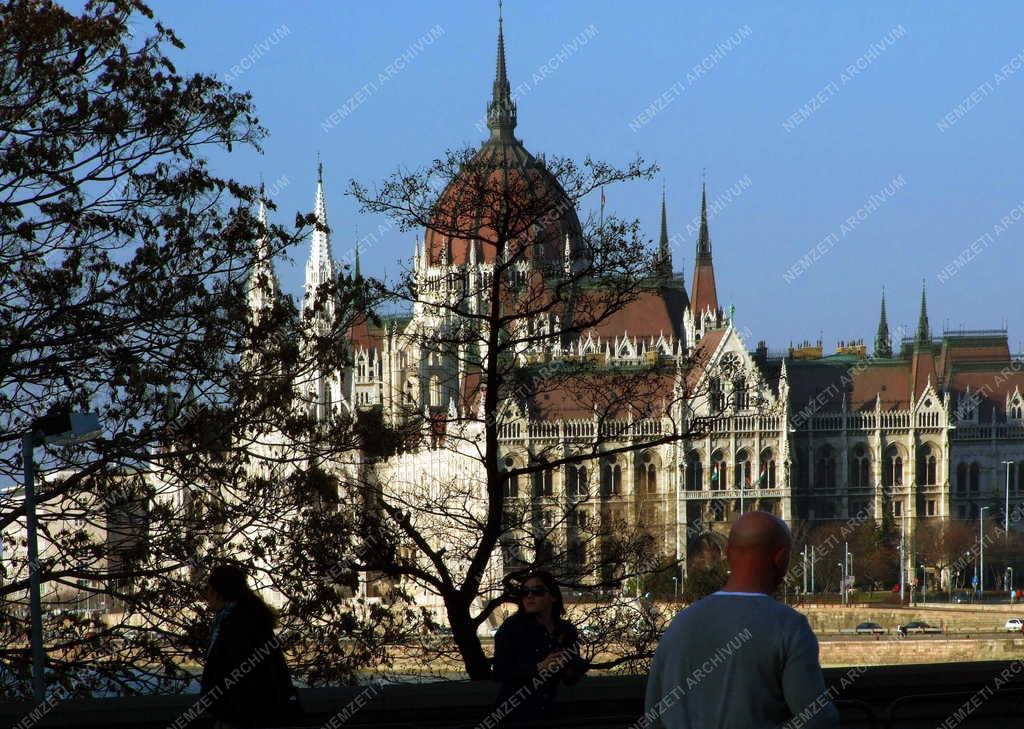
[883,343]
[263,285]
[663,266]
[358,274]
[320,266]
[924,332]
[501,111]
[704,239]
[703,297]
[923,365]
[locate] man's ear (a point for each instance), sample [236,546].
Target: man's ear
[780,558]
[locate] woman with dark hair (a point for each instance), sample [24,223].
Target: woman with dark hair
[245,679]
[535,643]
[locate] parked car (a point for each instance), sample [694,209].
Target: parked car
[1014,625]
[869,628]
[917,626]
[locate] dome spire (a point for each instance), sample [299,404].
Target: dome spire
[501,112]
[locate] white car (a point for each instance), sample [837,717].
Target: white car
[1014,625]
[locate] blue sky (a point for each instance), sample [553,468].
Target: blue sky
[865,144]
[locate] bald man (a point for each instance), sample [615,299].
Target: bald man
[738,659]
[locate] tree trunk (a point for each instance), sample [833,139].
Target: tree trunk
[476,662]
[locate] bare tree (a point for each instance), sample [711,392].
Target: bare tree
[536,432]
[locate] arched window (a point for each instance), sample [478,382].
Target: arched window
[694,472]
[742,468]
[611,476]
[893,473]
[975,477]
[647,475]
[740,397]
[435,391]
[719,472]
[961,478]
[825,468]
[511,482]
[803,468]
[543,482]
[860,467]
[717,396]
[925,465]
[766,471]
[576,480]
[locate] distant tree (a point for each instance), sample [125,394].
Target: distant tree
[702,581]
[943,544]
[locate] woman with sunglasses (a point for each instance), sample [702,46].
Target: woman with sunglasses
[535,643]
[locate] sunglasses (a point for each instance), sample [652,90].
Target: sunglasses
[533,591]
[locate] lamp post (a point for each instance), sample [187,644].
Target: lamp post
[842,577]
[967,558]
[65,429]
[812,569]
[1009,582]
[902,569]
[1006,516]
[846,570]
[924,584]
[981,557]
[675,586]
[805,569]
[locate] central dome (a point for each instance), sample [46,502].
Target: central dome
[502,196]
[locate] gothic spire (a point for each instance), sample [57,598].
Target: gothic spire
[664,265]
[358,272]
[263,286]
[924,332]
[704,294]
[883,343]
[703,239]
[501,111]
[320,266]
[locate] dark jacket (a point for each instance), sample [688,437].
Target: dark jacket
[519,645]
[245,679]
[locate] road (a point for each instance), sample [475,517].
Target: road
[892,635]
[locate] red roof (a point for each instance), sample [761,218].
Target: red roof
[651,314]
[704,295]
[477,202]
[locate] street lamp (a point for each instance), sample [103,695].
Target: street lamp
[1006,518]
[1009,583]
[675,586]
[924,584]
[981,540]
[842,576]
[846,571]
[63,429]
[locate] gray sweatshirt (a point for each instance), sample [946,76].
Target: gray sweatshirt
[738,660]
